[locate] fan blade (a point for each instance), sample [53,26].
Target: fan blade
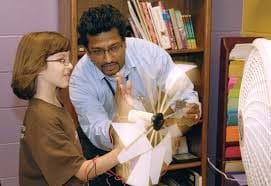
[166,143]
[140,174]
[157,158]
[128,132]
[139,147]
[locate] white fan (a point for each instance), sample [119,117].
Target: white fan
[147,142]
[254,114]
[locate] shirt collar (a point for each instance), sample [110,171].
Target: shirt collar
[98,72]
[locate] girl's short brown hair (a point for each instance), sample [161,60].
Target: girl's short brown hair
[30,60]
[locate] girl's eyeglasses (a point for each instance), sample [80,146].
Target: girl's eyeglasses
[66,62]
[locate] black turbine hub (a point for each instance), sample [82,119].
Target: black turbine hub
[157,121]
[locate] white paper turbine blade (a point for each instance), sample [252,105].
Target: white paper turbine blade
[139,147]
[176,84]
[157,159]
[141,172]
[128,132]
[177,81]
[166,142]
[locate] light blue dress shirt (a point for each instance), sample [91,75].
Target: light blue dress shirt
[146,65]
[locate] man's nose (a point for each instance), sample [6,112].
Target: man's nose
[107,57]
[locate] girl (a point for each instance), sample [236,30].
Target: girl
[50,152]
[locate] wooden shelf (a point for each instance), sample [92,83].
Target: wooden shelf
[227,45]
[186,51]
[177,166]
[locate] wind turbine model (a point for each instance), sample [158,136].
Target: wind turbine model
[146,139]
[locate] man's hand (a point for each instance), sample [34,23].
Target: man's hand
[123,99]
[191,112]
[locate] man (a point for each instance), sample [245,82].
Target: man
[93,84]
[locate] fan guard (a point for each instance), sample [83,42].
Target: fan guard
[254,114]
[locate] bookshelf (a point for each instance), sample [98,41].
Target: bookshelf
[227,45]
[200,11]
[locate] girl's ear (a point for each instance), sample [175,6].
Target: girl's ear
[41,73]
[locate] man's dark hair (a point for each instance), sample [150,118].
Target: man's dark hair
[100,19]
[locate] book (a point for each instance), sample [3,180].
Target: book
[149,6]
[177,178]
[185,158]
[236,68]
[196,177]
[234,166]
[241,51]
[232,117]
[181,28]
[149,22]
[134,28]
[175,28]
[135,20]
[187,31]
[167,19]
[232,133]
[160,26]
[233,153]
[191,28]
[168,23]
[141,18]
[232,103]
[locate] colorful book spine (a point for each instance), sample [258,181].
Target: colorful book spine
[141,18]
[194,44]
[175,28]
[181,28]
[160,27]
[149,6]
[232,134]
[187,31]
[169,26]
[135,20]
[166,27]
[149,22]
[233,153]
[134,29]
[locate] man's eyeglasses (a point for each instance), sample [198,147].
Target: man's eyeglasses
[66,62]
[100,53]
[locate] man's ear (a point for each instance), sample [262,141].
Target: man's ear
[124,43]
[86,49]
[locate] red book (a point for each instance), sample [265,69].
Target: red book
[233,152]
